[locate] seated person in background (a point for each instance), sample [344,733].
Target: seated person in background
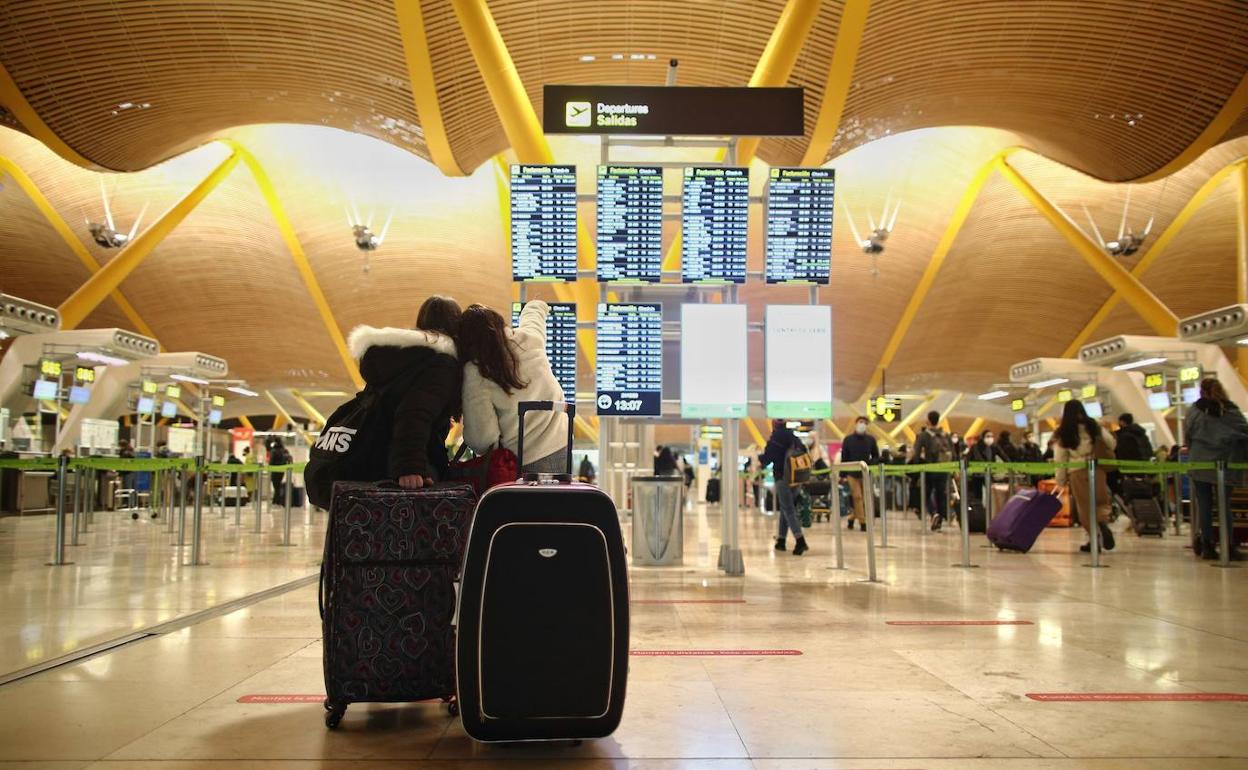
[502,367]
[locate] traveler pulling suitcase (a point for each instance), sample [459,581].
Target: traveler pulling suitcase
[542,650]
[1022,519]
[387,593]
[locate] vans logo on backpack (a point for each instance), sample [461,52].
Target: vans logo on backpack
[336,440]
[547,552]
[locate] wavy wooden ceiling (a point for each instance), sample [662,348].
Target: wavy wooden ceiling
[1064,75]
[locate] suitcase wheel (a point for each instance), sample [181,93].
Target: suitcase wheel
[334,713]
[452,708]
[134,516]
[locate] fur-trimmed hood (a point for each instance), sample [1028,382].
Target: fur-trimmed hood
[362,338]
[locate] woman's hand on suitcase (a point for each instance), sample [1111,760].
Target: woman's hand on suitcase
[414,481]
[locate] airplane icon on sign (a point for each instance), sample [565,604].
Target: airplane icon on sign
[577,114]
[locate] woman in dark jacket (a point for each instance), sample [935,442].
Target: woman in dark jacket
[420,373]
[1215,430]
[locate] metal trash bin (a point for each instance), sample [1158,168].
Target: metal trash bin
[658,527]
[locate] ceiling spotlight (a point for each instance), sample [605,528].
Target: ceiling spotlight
[106,235]
[993,394]
[101,358]
[1138,364]
[879,232]
[362,231]
[1128,241]
[190,379]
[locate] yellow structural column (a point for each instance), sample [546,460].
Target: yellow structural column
[974,427]
[312,412]
[1241,252]
[98,287]
[840,76]
[1143,301]
[412,31]
[914,413]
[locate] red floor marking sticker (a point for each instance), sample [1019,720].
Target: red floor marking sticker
[709,653]
[688,601]
[958,623]
[1235,697]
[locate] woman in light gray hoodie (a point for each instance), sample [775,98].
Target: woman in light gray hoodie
[502,367]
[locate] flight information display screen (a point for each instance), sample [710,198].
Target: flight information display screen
[560,342]
[629,377]
[799,225]
[630,223]
[714,223]
[543,223]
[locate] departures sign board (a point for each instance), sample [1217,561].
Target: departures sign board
[799,225]
[560,342]
[630,223]
[673,110]
[715,216]
[543,223]
[629,375]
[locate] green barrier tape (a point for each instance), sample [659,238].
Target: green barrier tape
[296,467]
[235,468]
[127,464]
[904,470]
[29,464]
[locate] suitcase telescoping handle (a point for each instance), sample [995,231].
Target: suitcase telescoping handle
[544,406]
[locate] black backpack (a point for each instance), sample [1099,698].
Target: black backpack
[354,445]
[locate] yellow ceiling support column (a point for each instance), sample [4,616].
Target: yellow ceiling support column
[944,415]
[311,411]
[915,412]
[62,229]
[974,427]
[929,273]
[755,433]
[586,429]
[285,415]
[88,297]
[1213,133]
[15,101]
[836,86]
[836,431]
[245,422]
[1143,301]
[415,39]
[1156,250]
[772,70]
[300,258]
[1241,253]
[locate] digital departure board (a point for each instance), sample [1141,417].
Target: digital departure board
[629,377]
[714,222]
[630,223]
[543,223]
[560,342]
[799,225]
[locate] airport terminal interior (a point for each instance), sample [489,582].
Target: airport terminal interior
[902,344]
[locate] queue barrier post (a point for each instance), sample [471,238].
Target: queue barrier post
[181,541]
[868,502]
[198,516]
[834,493]
[286,484]
[1224,521]
[881,491]
[1094,522]
[965,513]
[923,526]
[1172,506]
[88,517]
[256,502]
[62,475]
[77,519]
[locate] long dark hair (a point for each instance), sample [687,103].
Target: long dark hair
[1074,415]
[483,340]
[1213,398]
[439,314]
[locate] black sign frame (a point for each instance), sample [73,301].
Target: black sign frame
[673,110]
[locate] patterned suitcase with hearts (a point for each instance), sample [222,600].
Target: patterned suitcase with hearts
[387,599]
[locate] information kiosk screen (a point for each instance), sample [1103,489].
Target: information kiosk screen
[715,216]
[629,376]
[799,361]
[560,342]
[169,409]
[799,225]
[630,223]
[79,394]
[45,390]
[543,223]
[714,380]
[146,405]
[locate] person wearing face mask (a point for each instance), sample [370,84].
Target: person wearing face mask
[959,445]
[985,450]
[858,447]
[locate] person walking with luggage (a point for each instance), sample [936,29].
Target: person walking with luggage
[776,454]
[858,447]
[935,446]
[502,367]
[1079,439]
[417,373]
[1215,430]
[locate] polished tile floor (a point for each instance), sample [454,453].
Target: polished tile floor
[863,693]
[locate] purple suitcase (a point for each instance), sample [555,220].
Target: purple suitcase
[1021,521]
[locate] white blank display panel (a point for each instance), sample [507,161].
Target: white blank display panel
[799,361]
[714,378]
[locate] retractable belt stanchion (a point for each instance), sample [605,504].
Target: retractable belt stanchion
[1224,521]
[835,504]
[1172,507]
[181,541]
[883,502]
[238,502]
[1094,522]
[257,502]
[868,504]
[171,499]
[198,518]
[62,474]
[88,517]
[286,521]
[964,503]
[923,526]
[988,500]
[77,520]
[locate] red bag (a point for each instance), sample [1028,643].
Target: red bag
[497,466]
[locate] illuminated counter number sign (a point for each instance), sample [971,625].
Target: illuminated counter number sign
[84,374]
[1088,391]
[1018,405]
[1064,395]
[560,342]
[543,223]
[799,225]
[50,368]
[1154,380]
[629,376]
[1189,374]
[715,212]
[630,223]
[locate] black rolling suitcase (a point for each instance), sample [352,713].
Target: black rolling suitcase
[542,649]
[388,593]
